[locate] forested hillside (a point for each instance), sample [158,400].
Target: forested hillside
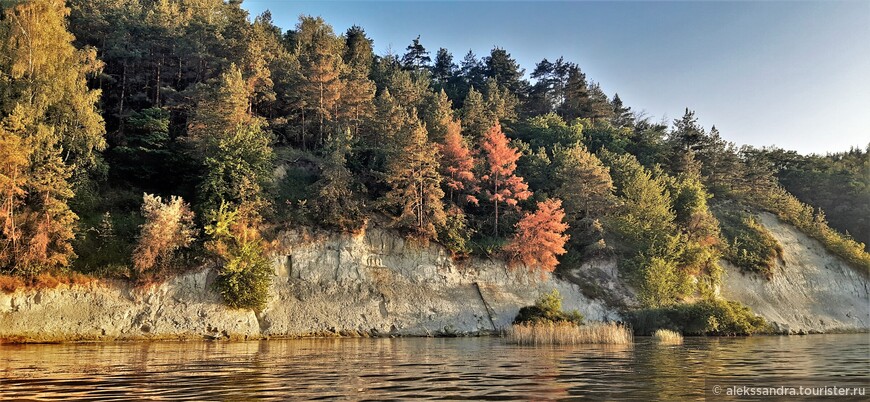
[233,129]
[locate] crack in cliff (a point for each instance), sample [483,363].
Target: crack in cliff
[488,309]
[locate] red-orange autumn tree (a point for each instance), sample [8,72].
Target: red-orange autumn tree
[540,237]
[503,185]
[457,163]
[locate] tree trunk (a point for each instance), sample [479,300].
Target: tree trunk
[157,87]
[123,89]
[320,110]
[496,205]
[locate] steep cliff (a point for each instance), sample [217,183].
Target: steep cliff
[811,290]
[378,283]
[371,284]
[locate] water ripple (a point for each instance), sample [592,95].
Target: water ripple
[436,369]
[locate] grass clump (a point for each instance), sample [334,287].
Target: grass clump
[568,333]
[668,337]
[545,323]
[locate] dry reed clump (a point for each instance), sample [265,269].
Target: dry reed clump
[566,333]
[668,337]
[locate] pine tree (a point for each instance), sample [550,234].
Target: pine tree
[415,186]
[471,75]
[576,95]
[457,164]
[143,155]
[337,205]
[320,54]
[390,118]
[506,72]
[645,217]
[409,89]
[357,100]
[622,116]
[234,150]
[358,49]
[541,96]
[687,133]
[584,183]
[720,164]
[50,116]
[443,69]
[501,104]
[540,237]
[476,118]
[438,115]
[503,185]
[417,56]
[597,106]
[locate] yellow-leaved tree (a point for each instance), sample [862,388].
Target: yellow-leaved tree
[49,130]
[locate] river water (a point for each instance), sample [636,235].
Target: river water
[434,368]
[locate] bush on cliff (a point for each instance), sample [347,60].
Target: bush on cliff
[246,272]
[707,317]
[548,308]
[168,228]
[750,246]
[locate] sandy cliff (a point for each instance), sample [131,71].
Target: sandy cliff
[378,283]
[371,284]
[811,289]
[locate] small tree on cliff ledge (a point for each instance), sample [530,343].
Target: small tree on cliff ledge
[540,237]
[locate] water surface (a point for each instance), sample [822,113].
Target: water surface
[411,368]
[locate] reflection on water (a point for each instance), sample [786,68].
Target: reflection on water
[459,368]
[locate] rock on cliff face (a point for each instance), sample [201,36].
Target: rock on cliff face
[811,289]
[375,283]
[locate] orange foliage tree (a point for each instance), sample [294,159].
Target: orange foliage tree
[540,237]
[457,164]
[168,227]
[504,185]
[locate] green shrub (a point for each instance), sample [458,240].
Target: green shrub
[104,244]
[708,317]
[487,245]
[455,233]
[661,284]
[244,280]
[750,246]
[548,308]
[246,272]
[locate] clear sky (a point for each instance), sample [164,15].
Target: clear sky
[793,74]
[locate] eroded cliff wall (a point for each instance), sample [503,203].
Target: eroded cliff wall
[811,290]
[375,283]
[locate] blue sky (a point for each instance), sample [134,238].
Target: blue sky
[793,74]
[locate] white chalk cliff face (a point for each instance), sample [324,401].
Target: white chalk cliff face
[811,290]
[378,283]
